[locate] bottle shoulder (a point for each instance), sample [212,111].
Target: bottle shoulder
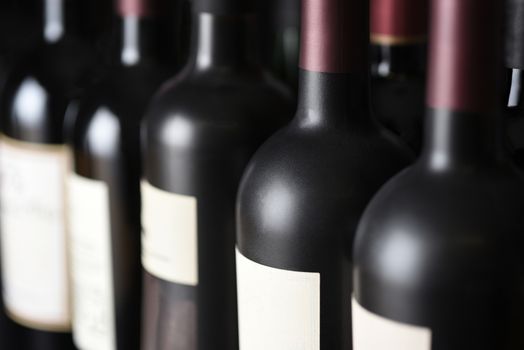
[423,223]
[345,154]
[214,112]
[208,93]
[311,186]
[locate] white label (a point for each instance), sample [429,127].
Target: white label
[34,248]
[277,309]
[373,332]
[169,240]
[92,268]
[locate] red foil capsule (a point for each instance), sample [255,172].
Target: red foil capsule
[335,36]
[459,78]
[395,22]
[138,8]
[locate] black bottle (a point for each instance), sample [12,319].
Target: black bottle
[398,66]
[304,191]
[33,168]
[104,187]
[199,133]
[438,253]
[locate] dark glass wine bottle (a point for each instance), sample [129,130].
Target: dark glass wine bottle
[279,29]
[199,133]
[33,165]
[438,253]
[398,62]
[104,187]
[303,193]
[514,64]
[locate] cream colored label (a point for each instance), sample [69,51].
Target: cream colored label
[373,332]
[34,247]
[92,268]
[277,309]
[169,239]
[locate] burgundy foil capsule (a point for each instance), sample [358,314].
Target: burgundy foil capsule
[327,24]
[138,8]
[399,21]
[459,79]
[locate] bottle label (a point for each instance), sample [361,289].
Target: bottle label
[399,22]
[373,332]
[277,309]
[169,238]
[92,268]
[34,247]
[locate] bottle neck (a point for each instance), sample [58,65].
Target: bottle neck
[223,41]
[334,75]
[457,139]
[86,20]
[462,121]
[333,100]
[54,20]
[138,40]
[398,60]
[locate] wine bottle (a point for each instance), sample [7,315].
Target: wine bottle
[33,165]
[514,64]
[305,189]
[279,29]
[437,258]
[398,61]
[199,133]
[104,186]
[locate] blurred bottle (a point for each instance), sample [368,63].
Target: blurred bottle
[33,165]
[104,187]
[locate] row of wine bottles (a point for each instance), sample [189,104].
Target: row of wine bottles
[139,211]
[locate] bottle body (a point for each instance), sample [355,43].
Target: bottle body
[34,260]
[104,185]
[443,247]
[104,190]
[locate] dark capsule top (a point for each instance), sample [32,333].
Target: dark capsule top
[399,21]
[464,55]
[335,36]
